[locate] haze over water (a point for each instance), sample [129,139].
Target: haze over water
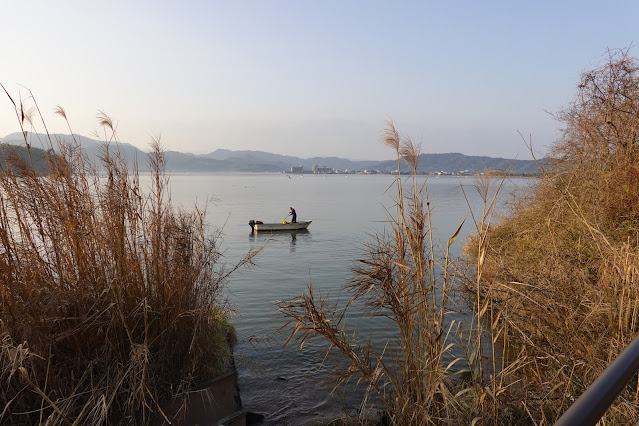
[286,384]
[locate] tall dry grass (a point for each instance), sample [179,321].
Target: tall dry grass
[437,370]
[562,271]
[110,299]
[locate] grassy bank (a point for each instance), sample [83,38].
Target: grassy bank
[110,299]
[553,287]
[562,270]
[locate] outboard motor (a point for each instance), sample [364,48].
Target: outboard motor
[252,223]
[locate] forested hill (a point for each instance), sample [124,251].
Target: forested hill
[10,155]
[223,160]
[455,163]
[428,163]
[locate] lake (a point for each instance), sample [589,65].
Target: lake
[286,385]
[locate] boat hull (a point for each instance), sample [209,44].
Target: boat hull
[288,226]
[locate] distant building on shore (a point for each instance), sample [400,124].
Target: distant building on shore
[299,169]
[319,170]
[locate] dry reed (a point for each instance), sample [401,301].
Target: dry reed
[562,272]
[110,299]
[408,278]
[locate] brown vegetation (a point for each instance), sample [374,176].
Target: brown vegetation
[110,299]
[562,272]
[553,289]
[407,278]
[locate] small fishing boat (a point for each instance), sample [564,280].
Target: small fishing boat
[256,225]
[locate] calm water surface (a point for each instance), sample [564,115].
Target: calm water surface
[286,385]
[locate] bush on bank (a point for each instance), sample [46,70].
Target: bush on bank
[110,299]
[563,269]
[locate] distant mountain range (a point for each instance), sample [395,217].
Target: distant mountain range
[223,160]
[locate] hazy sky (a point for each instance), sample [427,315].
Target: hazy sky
[309,78]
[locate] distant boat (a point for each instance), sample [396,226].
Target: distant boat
[257,226]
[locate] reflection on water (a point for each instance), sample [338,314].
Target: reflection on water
[304,234]
[262,237]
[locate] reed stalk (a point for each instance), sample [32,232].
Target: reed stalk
[560,272]
[408,279]
[111,300]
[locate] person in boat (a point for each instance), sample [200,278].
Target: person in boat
[294,214]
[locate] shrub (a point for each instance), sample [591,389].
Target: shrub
[562,269]
[110,299]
